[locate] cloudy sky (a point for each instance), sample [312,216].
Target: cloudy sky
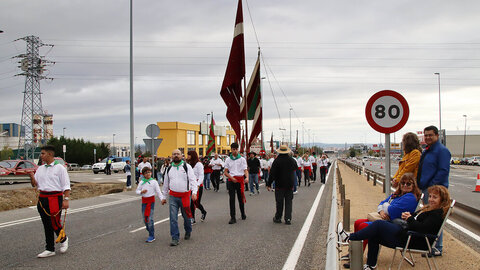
[323,59]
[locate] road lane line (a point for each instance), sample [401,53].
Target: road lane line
[158,222]
[71,211]
[464,230]
[302,236]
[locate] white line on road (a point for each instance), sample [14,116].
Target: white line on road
[302,236]
[72,211]
[464,230]
[158,222]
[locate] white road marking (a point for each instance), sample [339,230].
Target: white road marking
[302,236]
[71,211]
[464,230]
[158,222]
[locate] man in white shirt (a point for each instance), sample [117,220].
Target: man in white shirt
[181,184]
[216,163]
[313,161]
[53,183]
[142,165]
[323,163]
[237,175]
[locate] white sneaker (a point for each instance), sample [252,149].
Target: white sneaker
[64,246]
[46,254]
[295,192]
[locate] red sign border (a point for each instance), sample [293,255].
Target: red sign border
[375,97]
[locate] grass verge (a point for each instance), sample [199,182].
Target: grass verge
[25,197]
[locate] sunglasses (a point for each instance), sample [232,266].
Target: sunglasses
[406,184]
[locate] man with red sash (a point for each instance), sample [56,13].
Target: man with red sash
[181,184]
[148,187]
[237,175]
[53,183]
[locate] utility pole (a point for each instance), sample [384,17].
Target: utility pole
[32,66]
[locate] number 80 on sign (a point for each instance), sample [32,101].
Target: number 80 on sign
[387,111]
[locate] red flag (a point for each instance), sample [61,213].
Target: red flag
[254,97]
[271,143]
[231,91]
[211,139]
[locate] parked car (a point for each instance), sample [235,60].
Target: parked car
[455,161]
[86,167]
[475,160]
[17,167]
[73,167]
[464,161]
[118,164]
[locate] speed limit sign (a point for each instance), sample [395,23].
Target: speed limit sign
[387,111]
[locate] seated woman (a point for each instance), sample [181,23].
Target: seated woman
[404,199]
[427,220]
[412,152]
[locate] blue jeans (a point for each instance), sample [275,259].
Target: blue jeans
[253,179]
[265,175]
[149,223]
[439,244]
[175,203]
[206,180]
[299,176]
[378,233]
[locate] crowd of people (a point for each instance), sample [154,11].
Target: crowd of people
[420,172]
[184,179]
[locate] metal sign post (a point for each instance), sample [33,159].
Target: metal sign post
[153,131]
[387,112]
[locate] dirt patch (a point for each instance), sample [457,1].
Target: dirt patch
[25,197]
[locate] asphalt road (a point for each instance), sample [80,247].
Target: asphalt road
[103,235]
[462,180]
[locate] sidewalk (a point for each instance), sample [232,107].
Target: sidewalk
[364,198]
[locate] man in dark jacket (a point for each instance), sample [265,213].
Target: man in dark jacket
[282,172]
[433,169]
[253,170]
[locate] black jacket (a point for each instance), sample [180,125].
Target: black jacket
[282,172]
[427,222]
[253,165]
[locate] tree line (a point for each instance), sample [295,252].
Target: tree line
[78,150]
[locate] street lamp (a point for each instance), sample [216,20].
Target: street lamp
[439,107]
[64,132]
[290,113]
[113,144]
[464,135]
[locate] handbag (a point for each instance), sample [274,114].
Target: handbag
[373,216]
[401,222]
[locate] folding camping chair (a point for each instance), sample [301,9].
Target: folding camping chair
[428,251]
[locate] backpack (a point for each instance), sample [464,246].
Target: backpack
[186,171]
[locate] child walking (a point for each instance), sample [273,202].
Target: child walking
[148,188]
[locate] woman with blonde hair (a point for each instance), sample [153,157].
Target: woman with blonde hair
[411,157]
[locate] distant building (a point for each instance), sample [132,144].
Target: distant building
[10,133]
[454,143]
[186,137]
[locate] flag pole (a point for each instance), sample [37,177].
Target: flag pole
[247,146]
[261,101]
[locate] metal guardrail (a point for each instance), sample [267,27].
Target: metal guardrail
[14,178]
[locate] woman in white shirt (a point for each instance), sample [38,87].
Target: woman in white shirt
[192,159]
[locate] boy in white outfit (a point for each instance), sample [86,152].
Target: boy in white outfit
[148,188]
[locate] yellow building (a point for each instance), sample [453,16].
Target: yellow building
[187,137]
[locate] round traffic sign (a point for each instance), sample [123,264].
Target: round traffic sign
[152,131]
[387,111]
